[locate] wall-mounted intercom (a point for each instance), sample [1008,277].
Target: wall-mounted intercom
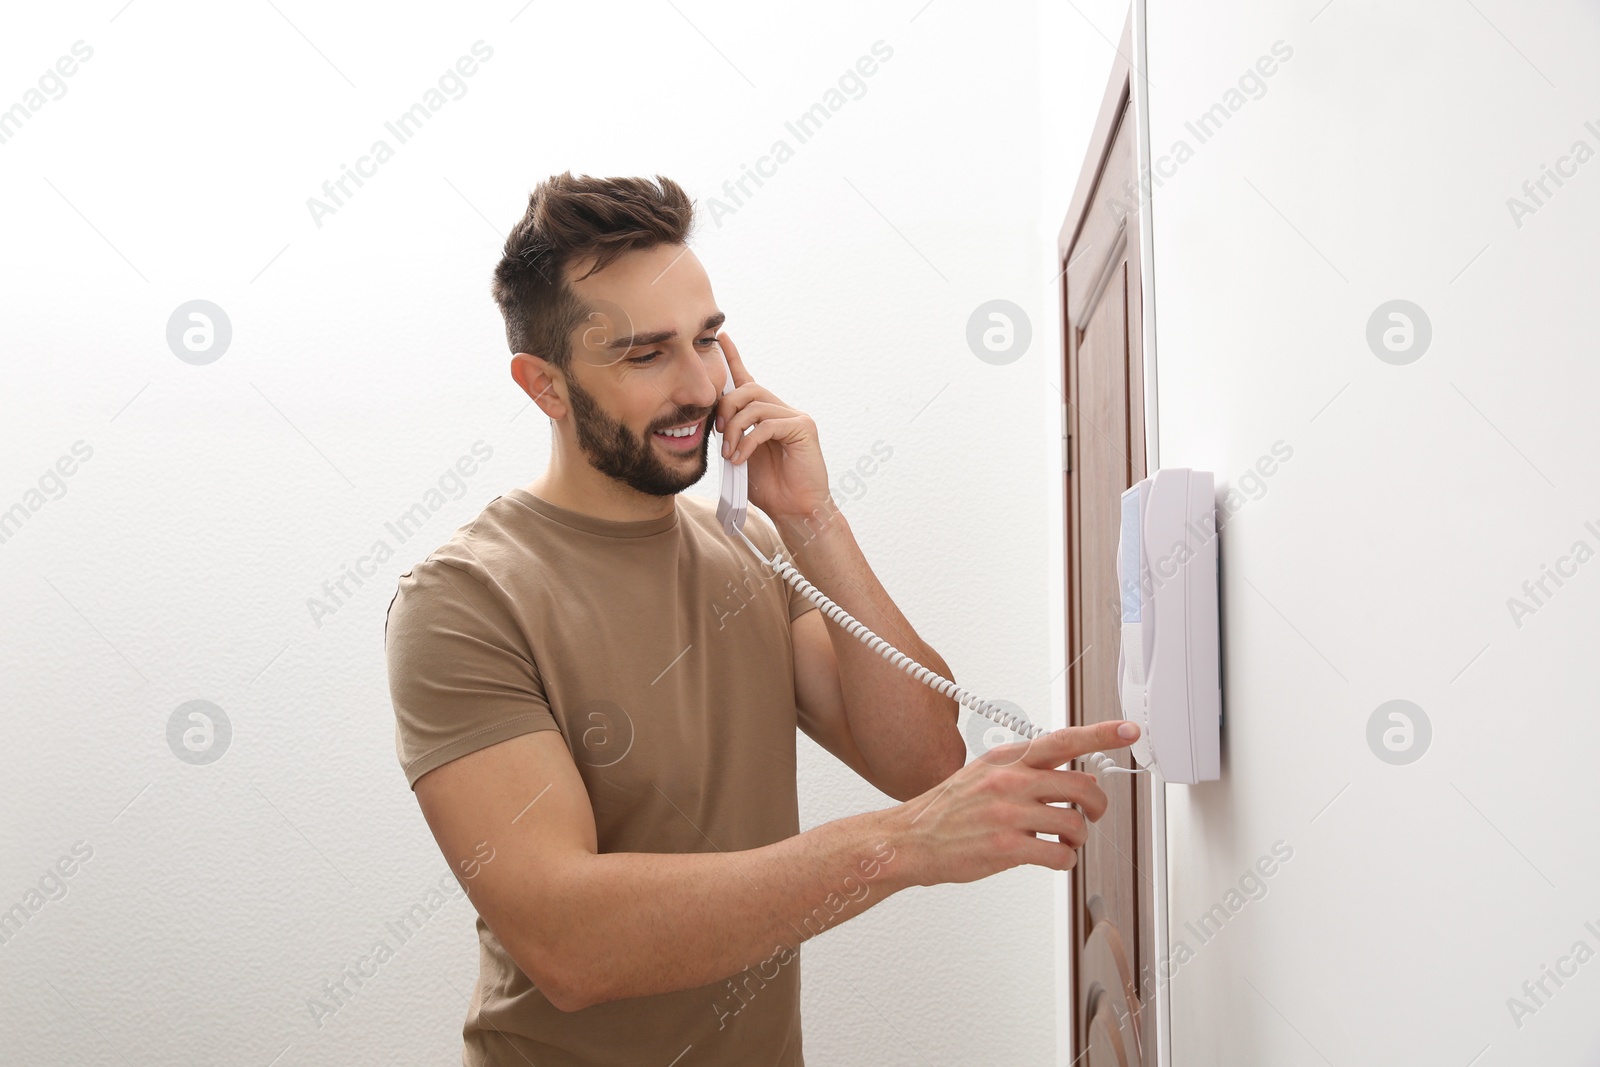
[1168,669]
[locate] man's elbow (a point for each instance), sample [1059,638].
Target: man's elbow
[565,987]
[564,1000]
[953,759]
[949,757]
[562,975]
[911,786]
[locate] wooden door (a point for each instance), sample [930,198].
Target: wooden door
[1113,905]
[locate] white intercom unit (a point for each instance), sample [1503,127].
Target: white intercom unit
[1169,666]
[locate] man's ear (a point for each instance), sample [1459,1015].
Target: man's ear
[542,382]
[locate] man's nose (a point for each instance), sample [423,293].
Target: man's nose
[696,384]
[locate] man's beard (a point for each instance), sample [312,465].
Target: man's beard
[618,453]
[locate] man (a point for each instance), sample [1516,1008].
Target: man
[596,689]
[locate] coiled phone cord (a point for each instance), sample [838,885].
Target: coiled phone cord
[1099,761]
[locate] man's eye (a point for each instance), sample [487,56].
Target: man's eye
[650,357]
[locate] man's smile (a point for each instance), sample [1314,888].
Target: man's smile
[685,438]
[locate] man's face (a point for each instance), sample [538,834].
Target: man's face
[646,360]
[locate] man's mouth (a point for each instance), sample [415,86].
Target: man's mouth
[682,438]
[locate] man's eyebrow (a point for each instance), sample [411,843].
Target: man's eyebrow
[639,340]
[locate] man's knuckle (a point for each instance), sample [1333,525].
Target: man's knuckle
[1003,780]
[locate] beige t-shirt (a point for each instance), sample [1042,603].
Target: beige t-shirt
[661,650]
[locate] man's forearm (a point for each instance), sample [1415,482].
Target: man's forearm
[633,924]
[905,730]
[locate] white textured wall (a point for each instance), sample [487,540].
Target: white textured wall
[1376,564]
[176,561]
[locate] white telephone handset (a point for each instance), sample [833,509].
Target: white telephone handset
[735,479]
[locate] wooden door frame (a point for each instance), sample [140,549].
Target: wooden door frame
[1127,85]
[1127,81]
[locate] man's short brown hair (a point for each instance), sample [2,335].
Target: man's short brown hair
[569,219]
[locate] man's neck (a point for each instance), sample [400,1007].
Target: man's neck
[599,497]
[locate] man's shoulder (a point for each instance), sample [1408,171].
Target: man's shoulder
[483,547]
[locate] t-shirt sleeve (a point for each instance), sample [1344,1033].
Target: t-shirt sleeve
[766,536]
[461,676]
